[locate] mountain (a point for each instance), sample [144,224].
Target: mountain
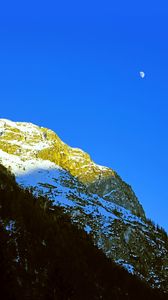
[95,197]
[43,256]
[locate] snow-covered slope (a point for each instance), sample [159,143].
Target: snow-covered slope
[96,197]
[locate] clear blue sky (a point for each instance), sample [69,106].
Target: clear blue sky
[74,67]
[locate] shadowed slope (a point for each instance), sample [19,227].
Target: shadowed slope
[44,256]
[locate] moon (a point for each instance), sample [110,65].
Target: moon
[142,74]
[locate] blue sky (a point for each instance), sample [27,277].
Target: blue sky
[74,67]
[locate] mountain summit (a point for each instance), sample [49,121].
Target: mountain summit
[26,142]
[95,197]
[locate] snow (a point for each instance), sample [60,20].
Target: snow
[33,146]
[109,194]
[130,268]
[20,167]
[87,228]
[27,128]
[46,179]
[7,122]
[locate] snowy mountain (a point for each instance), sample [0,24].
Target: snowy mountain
[95,197]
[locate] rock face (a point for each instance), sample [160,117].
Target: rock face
[115,190]
[96,198]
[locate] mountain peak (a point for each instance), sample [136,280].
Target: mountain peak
[28,141]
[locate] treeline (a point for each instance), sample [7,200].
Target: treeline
[44,256]
[159,228]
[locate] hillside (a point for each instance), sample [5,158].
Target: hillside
[44,256]
[96,199]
